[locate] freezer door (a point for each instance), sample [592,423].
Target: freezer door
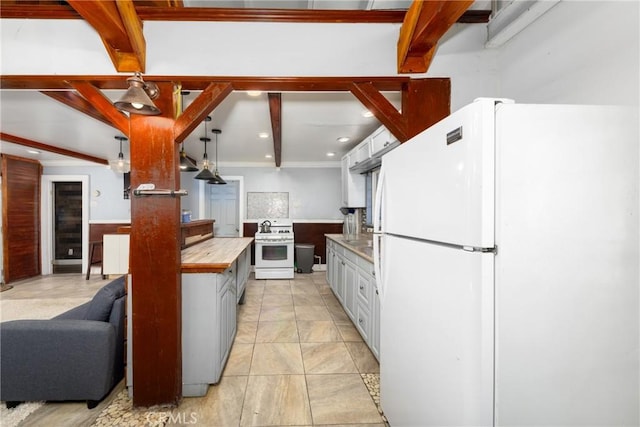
[436,349]
[439,185]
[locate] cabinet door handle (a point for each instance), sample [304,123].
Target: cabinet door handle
[386,143]
[361,287]
[359,320]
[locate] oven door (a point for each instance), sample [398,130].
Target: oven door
[274,254]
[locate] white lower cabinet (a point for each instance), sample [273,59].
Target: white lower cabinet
[209,302]
[244,270]
[115,254]
[208,328]
[352,279]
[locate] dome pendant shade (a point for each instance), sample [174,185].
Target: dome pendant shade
[204,174]
[186,165]
[120,165]
[217,179]
[138,98]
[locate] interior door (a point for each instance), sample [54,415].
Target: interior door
[222,206]
[21,217]
[67,228]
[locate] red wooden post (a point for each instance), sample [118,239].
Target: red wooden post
[155,258]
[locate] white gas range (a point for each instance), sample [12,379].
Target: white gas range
[274,249]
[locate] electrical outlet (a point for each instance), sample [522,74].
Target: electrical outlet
[70,252]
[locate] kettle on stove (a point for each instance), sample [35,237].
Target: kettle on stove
[265,227]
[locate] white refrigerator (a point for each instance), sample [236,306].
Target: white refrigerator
[507,252]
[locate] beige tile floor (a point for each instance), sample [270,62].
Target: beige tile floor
[296,360]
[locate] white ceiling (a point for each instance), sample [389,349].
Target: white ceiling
[311,122]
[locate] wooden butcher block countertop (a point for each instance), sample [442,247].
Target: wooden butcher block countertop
[213,255]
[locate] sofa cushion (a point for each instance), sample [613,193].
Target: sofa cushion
[100,306]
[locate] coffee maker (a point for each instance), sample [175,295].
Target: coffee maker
[352,223]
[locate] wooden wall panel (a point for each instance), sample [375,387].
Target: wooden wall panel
[313,233]
[21,218]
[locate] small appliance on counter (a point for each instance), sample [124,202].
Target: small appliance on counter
[352,223]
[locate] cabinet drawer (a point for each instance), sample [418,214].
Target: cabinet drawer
[366,266]
[365,287]
[351,256]
[362,321]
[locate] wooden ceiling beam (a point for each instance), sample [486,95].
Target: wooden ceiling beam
[424,24]
[275,111]
[168,11]
[50,148]
[120,30]
[382,109]
[104,105]
[77,102]
[200,108]
[269,84]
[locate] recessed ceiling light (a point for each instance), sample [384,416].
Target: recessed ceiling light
[254,93]
[331,154]
[367,113]
[33,151]
[263,135]
[268,156]
[343,139]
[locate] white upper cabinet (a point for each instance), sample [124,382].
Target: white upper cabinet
[382,141]
[353,185]
[367,155]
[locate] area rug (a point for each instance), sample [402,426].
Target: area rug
[36,308]
[12,417]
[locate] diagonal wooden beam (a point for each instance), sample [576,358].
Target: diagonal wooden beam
[195,113]
[104,105]
[75,101]
[380,106]
[133,27]
[424,24]
[50,148]
[119,28]
[275,111]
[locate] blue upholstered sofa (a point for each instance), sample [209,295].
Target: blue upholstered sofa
[78,355]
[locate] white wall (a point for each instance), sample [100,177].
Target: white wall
[110,205]
[314,193]
[583,52]
[461,56]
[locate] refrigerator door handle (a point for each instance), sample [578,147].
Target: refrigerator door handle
[378,221]
[377,265]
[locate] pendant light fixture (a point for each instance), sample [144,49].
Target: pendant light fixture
[217,179]
[120,165]
[138,98]
[205,173]
[186,165]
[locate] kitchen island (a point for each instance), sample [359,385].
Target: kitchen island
[214,277]
[351,276]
